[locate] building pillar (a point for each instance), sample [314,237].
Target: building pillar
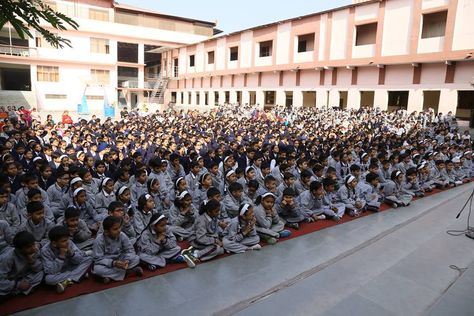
[221,97]
[178,98]
[280,98]
[141,69]
[353,99]
[415,100]
[297,99]
[321,98]
[232,96]
[381,99]
[333,98]
[448,100]
[245,97]
[212,100]
[260,99]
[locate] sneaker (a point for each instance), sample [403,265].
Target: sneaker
[152,267]
[322,216]
[187,251]
[336,218]
[189,261]
[106,280]
[179,259]
[293,225]
[255,247]
[61,286]
[271,241]
[138,271]
[309,220]
[285,233]
[394,205]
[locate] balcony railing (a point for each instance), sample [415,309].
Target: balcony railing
[17,50]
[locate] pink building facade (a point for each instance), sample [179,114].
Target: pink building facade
[389,54]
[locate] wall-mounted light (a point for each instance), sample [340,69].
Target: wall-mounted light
[380,66]
[328,68]
[415,64]
[350,67]
[448,62]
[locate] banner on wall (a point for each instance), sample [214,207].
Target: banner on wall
[109,110]
[83,108]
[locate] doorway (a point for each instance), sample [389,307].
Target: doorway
[431,100]
[367,99]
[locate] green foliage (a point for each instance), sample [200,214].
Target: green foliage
[26,14]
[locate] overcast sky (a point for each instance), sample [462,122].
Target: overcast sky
[236,15]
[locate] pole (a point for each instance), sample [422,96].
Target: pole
[10,36]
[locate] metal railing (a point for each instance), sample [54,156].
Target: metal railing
[17,50]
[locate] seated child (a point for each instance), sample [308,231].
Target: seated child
[157,244]
[393,192]
[252,190]
[351,196]
[311,202]
[63,262]
[241,235]
[269,226]
[113,253]
[234,199]
[78,229]
[117,209]
[145,209]
[34,195]
[289,180]
[411,185]
[458,172]
[37,224]
[6,237]
[57,191]
[88,213]
[332,208]
[139,186]
[452,174]
[182,216]
[372,194]
[439,175]
[288,209]
[424,177]
[105,196]
[21,269]
[9,213]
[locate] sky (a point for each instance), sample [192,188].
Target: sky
[237,15]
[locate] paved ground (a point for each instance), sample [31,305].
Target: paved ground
[393,263]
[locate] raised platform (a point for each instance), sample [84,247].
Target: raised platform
[395,262]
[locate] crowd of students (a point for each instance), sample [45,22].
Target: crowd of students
[109,198]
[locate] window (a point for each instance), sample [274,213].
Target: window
[366,34]
[100,77]
[234,53]
[99,15]
[48,73]
[306,43]
[191,60]
[434,24]
[55,96]
[269,97]
[41,42]
[265,48]
[100,46]
[210,57]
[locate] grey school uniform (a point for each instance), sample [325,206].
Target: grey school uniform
[310,205]
[413,189]
[56,195]
[106,250]
[89,214]
[136,190]
[192,181]
[269,226]
[468,167]
[6,237]
[440,177]
[102,201]
[206,233]
[82,237]
[141,220]
[330,201]
[426,182]
[57,269]
[394,194]
[291,214]
[92,190]
[9,213]
[372,196]
[218,183]
[48,214]
[350,197]
[156,253]
[460,174]
[231,205]
[235,241]
[14,267]
[22,198]
[39,231]
[342,170]
[182,225]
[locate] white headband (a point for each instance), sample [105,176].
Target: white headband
[244,209]
[75,180]
[76,191]
[421,166]
[147,196]
[63,156]
[226,158]
[229,173]
[79,153]
[105,181]
[349,179]
[122,189]
[177,181]
[37,158]
[201,179]
[158,220]
[268,194]
[249,168]
[398,173]
[182,195]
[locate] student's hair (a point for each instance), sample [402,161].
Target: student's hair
[330,169]
[410,171]
[239,170]
[142,201]
[289,192]
[288,175]
[31,193]
[140,172]
[110,221]
[150,183]
[259,198]
[439,161]
[373,165]
[354,167]
[122,188]
[155,163]
[268,179]
[305,173]
[113,205]
[3,191]
[99,163]
[28,177]
[265,165]
[43,166]
[23,239]
[193,164]
[328,181]
[60,173]
[253,184]
[283,167]
[315,185]
[58,232]
[212,192]
[208,206]
[120,173]
[82,173]
[233,187]
[32,207]
[213,164]
[371,176]
[317,168]
[72,212]
[178,201]
[395,174]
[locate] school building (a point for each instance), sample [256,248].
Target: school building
[115,58]
[410,54]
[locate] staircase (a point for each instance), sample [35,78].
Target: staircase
[159,89]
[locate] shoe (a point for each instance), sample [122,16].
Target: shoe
[322,216]
[189,261]
[187,251]
[285,233]
[61,286]
[271,241]
[255,247]
[88,252]
[106,280]
[336,218]
[138,271]
[293,225]
[309,220]
[179,259]
[394,205]
[152,267]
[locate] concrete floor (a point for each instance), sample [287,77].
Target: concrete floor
[392,263]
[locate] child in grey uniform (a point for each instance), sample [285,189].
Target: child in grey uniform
[351,196]
[439,175]
[6,237]
[311,202]
[411,185]
[331,207]
[288,209]
[372,195]
[21,269]
[234,199]
[105,196]
[63,262]
[393,192]
[269,226]
[37,224]
[113,253]
[182,216]
[88,213]
[207,243]
[424,177]
[9,213]
[145,209]
[78,229]
[241,234]
[157,244]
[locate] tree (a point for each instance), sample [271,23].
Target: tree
[26,14]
